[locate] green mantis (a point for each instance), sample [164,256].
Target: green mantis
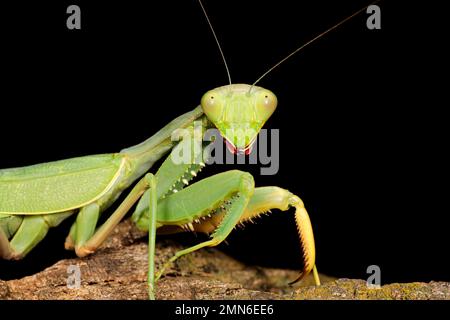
[36,198]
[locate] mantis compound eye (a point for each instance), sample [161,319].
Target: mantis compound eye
[270,101]
[211,105]
[266,104]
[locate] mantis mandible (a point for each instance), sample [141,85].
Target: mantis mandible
[36,198]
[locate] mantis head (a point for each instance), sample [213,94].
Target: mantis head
[239,111]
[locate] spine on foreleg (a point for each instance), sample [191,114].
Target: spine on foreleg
[305,231]
[266,198]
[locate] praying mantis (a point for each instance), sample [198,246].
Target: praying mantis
[36,198]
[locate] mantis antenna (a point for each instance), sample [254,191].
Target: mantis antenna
[308,43]
[217,40]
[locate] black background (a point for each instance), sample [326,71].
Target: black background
[361,123]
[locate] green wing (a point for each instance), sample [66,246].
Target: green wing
[58,186]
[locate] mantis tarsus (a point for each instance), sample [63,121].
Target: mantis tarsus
[36,198]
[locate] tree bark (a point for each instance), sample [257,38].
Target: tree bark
[118,270]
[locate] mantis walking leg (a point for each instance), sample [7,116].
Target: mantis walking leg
[6,252]
[152,238]
[87,222]
[28,232]
[87,241]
